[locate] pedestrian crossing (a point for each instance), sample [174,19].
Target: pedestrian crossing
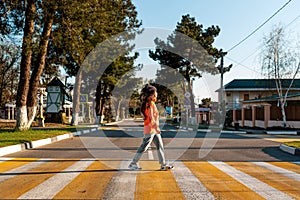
[33,178]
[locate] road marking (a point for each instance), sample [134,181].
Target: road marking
[279,170]
[91,184]
[14,163]
[191,187]
[122,185]
[150,154]
[4,159]
[220,184]
[18,185]
[272,178]
[152,183]
[49,188]
[16,171]
[254,184]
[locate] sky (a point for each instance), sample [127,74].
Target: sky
[236,19]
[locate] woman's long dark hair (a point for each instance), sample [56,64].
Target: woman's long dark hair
[146,97]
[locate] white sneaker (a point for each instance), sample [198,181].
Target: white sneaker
[166,167]
[134,166]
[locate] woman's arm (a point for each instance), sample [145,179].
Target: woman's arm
[154,117]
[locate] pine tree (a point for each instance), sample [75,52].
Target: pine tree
[189,50]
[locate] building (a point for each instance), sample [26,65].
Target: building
[255,103]
[58,102]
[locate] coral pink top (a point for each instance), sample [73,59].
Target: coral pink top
[151,121]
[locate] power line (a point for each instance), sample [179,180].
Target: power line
[259,26]
[240,63]
[258,48]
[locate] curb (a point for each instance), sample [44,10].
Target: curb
[283,132]
[290,150]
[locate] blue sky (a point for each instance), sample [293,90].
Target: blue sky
[236,18]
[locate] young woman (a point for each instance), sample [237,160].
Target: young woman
[151,129]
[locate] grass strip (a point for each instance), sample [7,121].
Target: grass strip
[11,137]
[293,144]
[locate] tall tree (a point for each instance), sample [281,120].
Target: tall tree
[206,102]
[190,51]
[73,29]
[23,88]
[122,93]
[280,62]
[121,67]
[82,26]
[33,20]
[9,61]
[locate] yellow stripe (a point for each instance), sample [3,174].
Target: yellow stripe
[282,140]
[278,181]
[90,184]
[18,185]
[14,163]
[221,185]
[155,184]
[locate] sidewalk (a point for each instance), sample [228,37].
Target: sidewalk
[269,132]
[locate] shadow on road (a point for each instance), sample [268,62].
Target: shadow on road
[280,155]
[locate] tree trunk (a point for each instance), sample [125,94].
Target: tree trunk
[100,101]
[26,55]
[76,98]
[38,70]
[1,89]
[118,110]
[283,113]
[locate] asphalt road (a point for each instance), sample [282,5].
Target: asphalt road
[121,141]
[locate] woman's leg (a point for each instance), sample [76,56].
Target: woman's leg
[160,149]
[145,144]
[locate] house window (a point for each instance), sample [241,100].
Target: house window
[246,97]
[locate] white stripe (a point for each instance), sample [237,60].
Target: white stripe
[14,172]
[254,184]
[150,154]
[279,170]
[49,188]
[191,187]
[86,131]
[4,159]
[122,185]
[297,163]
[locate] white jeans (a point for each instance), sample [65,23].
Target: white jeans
[148,138]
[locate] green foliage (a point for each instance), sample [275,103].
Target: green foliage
[189,49]
[206,102]
[9,61]
[188,52]
[82,25]
[293,144]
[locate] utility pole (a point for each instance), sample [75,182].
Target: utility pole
[222,70]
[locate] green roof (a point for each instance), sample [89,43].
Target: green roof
[272,98]
[260,84]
